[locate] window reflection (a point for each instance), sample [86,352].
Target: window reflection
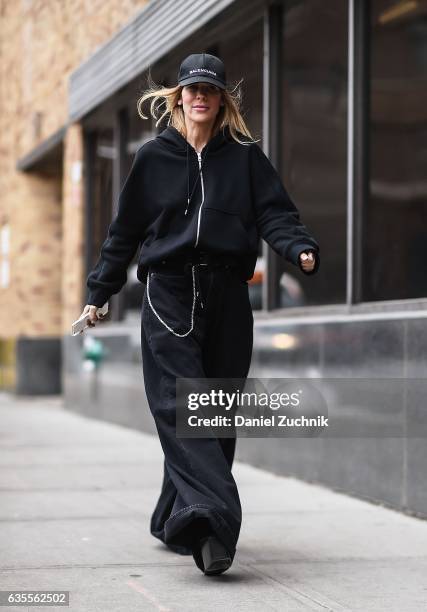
[395,239]
[243,56]
[140,131]
[314,141]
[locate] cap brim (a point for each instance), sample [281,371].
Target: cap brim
[201,79]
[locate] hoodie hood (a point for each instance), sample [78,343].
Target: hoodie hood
[175,141]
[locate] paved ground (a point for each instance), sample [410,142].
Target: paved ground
[75,501]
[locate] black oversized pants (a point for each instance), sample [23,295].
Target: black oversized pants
[199,495]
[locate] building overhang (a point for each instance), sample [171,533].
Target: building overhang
[158,28]
[45,157]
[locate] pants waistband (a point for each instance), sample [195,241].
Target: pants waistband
[191,265]
[201,259]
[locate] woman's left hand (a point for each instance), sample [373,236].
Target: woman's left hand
[307,261]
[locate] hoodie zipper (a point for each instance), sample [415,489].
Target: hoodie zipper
[199,157]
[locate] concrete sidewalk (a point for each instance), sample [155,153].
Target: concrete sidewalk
[75,504]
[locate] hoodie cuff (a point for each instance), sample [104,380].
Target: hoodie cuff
[296,251]
[97,298]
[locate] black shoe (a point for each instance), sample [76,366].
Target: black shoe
[216,558]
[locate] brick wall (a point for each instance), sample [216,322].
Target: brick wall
[41,43]
[72,228]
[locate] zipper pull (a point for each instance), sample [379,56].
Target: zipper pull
[188,204]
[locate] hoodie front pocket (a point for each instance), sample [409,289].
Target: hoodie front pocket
[223,230]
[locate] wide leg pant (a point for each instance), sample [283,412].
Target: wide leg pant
[199,495]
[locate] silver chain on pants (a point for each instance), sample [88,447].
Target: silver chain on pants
[195,294]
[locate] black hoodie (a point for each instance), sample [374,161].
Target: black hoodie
[170,205]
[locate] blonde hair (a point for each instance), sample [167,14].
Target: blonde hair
[228,115]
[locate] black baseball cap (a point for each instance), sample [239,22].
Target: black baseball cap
[202,67]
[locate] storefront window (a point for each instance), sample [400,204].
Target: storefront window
[314,143]
[243,57]
[140,131]
[395,238]
[101,179]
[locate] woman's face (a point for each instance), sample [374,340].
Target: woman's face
[201,102]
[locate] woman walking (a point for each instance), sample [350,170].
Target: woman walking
[197,199]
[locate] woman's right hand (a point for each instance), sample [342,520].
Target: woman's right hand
[94,315]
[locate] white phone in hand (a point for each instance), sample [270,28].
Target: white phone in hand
[82,322]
